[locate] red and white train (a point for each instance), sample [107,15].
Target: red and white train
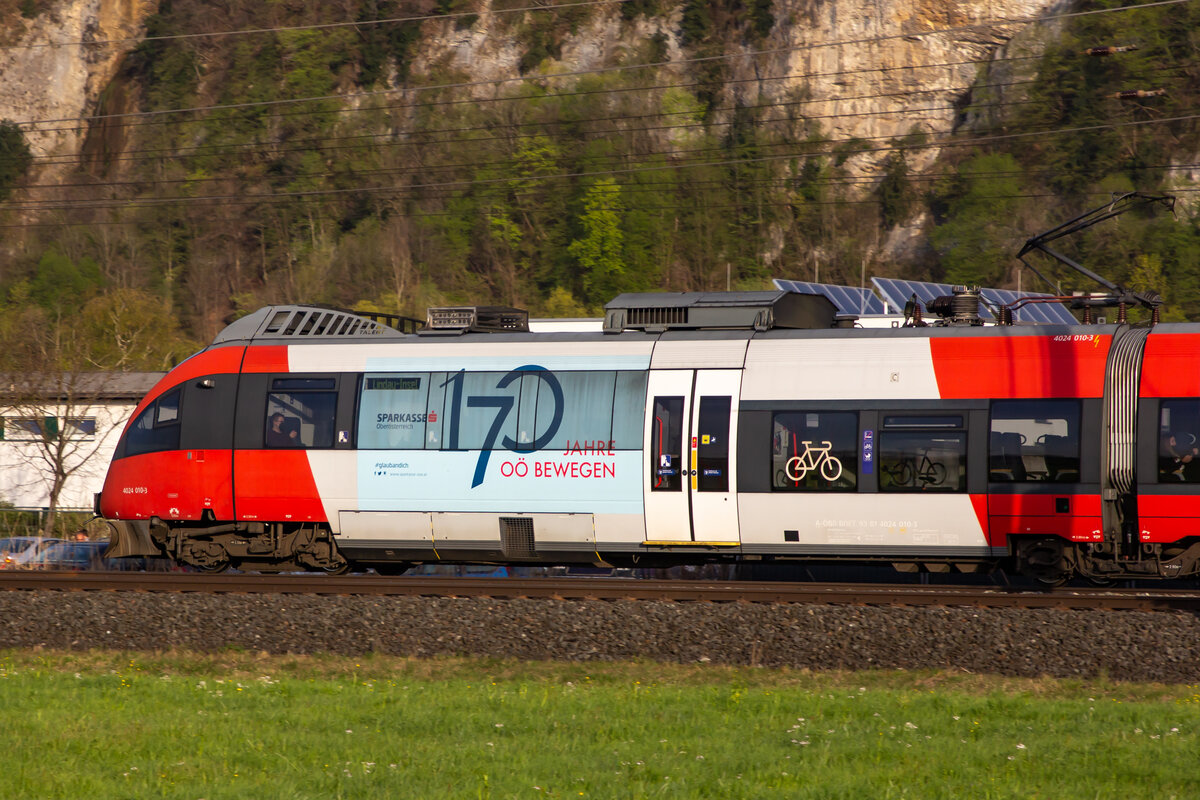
[695,428]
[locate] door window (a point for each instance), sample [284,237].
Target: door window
[712,447]
[666,445]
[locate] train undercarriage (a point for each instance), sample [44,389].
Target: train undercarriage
[279,547]
[1051,560]
[255,546]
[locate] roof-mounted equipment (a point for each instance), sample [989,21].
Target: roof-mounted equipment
[959,308]
[310,322]
[477,319]
[1117,294]
[662,311]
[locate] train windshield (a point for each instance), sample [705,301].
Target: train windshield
[156,428]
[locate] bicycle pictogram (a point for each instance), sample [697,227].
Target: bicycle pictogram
[814,458]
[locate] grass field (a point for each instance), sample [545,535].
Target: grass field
[236,725]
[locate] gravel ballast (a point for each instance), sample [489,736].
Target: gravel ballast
[1123,645]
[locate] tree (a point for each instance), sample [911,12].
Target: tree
[56,415]
[15,157]
[598,251]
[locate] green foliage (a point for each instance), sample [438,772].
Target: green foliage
[59,282]
[633,9]
[15,157]
[761,18]
[599,251]
[895,192]
[129,329]
[561,304]
[974,236]
[696,24]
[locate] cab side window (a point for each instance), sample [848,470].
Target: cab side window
[156,428]
[301,413]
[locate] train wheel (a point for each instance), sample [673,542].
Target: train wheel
[340,569]
[211,569]
[1043,560]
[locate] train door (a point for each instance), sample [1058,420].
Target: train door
[691,443]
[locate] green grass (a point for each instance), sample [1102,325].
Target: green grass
[236,725]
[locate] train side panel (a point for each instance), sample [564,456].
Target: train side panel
[1168,427]
[457,443]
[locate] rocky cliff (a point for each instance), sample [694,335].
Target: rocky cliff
[55,66]
[401,153]
[866,70]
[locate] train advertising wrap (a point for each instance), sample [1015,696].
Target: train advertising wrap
[523,438]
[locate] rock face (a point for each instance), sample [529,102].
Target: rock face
[856,68]
[55,67]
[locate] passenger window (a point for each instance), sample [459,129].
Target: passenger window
[814,451]
[923,454]
[587,409]
[485,404]
[300,419]
[1178,447]
[1034,440]
[666,445]
[156,428]
[629,410]
[394,411]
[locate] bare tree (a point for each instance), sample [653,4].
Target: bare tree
[59,415]
[55,425]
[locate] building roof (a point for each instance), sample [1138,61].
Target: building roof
[80,386]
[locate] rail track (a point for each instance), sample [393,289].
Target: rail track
[612,589]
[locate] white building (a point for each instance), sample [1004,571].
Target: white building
[74,422]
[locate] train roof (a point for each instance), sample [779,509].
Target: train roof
[695,316]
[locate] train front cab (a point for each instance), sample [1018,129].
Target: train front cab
[197,475]
[174,460]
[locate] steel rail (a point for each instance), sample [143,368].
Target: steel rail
[612,589]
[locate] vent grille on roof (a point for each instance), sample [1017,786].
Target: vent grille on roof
[316,322]
[657,316]
[760,311]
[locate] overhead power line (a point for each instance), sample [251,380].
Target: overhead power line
[420,138]
[608,70]
[244,199]
[320,26]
